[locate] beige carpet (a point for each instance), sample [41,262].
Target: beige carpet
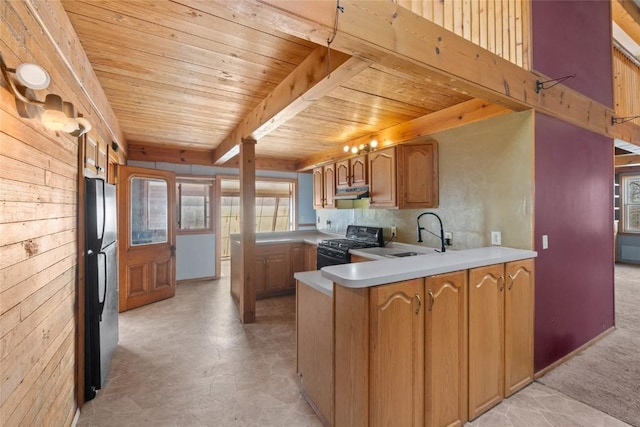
[607,374]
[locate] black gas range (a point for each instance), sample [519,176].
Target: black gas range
[336,251]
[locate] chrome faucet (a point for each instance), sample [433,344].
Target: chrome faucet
[441,236]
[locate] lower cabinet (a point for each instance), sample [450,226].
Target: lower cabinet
[396,364]
[310,257]
[486,338]
[274,275]
[501,301]
[518,325]
[275,265]
[434,351]
[446,349]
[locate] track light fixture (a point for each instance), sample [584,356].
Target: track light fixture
[356,149]
[57,114]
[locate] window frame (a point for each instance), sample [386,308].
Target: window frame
[624,205]
[192,179]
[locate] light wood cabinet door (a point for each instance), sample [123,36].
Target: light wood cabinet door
[102,159]
[318,188]
[519,306]
[382,178]
[486,338]
[446,349]
[396,348]
[277,270]
[310,257]
[296,261]
[358,171]
[329,172]
[273,270]
[418,175]
[95,154]
[343,174]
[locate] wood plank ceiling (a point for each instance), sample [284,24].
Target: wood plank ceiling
[185,73]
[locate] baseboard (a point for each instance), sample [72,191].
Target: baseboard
[543,372]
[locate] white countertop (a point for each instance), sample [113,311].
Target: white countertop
[315,280]
[389,270]
[303,236]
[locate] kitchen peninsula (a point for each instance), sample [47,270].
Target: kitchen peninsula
[432,339]
[278,256]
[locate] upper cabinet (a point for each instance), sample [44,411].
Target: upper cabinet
[95,155]
[324,186]
[404,176]
[418,175]
[382,178]
[351,172]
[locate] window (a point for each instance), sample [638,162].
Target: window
[274,208]
[194,204]
[631,203]
[149,201]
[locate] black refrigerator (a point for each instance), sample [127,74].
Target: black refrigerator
[101,282]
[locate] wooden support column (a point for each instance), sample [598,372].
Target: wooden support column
[247,303]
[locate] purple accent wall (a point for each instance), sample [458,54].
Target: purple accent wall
[573,206]
[574,37]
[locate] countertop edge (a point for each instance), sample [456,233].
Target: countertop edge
[314,280]
[379,272]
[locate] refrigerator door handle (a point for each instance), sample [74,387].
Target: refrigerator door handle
[104,210]
[102,300]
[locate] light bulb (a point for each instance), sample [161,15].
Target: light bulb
[354,149]
[346,148]
[373,143]
[54,119]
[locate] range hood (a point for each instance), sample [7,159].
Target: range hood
[351,193]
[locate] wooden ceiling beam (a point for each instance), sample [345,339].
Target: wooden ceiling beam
[627,160]
[627,15]
[464,113]
[199,156]
[317,75]
[393,36]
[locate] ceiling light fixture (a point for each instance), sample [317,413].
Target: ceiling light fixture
[58,115]
[356,149]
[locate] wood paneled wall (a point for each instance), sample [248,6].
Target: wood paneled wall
[626,86]
[38,231]
[500,26]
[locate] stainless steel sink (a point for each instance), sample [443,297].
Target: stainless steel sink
[404,254]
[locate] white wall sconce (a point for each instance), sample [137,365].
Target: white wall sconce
[57,114]
[355,149]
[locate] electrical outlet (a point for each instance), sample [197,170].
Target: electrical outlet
[448,238]
[496,238]
[394,231]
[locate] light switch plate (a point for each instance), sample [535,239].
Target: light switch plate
[545,241]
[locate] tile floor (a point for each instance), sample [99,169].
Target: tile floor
[187,361]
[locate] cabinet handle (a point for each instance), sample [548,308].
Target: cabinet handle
[511,278]
[432,299]
[419,303]
[501,279]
